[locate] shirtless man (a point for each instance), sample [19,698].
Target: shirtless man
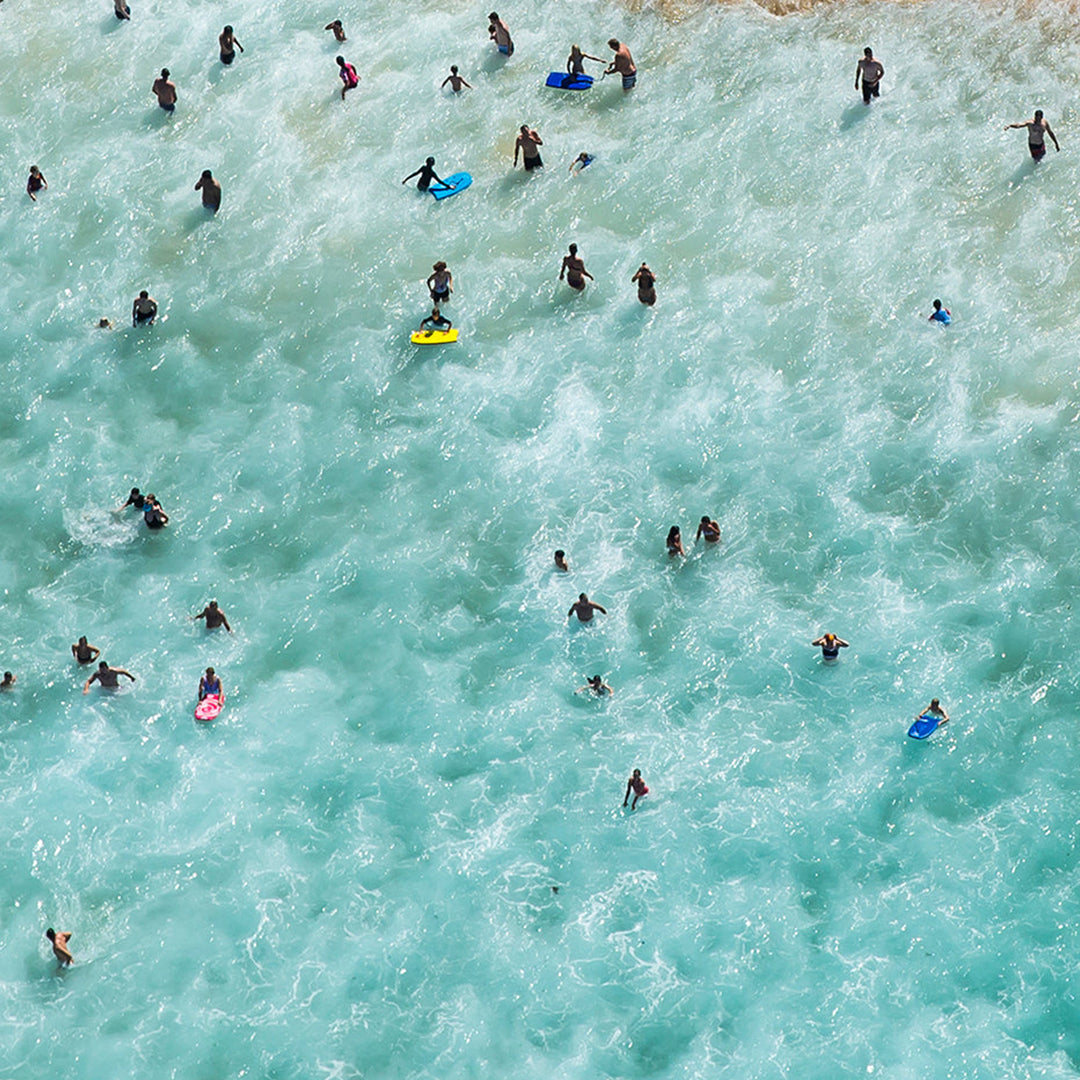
[1037,129]
[107,676]
[935,709]
[59,946]
[211,190]
[227,45]
[165,89]
[560,561]
[869,71]
[84,652]
[499,32]
[349,78]
[214,617]
[144,310]
[527,144]
[8,681]
[830,646]
[339,30]
[709,529]
[597,685]
[35,182]
[121,10]
[575,62]
[455,80]
[574,270]
[427,173]
[623,64]
[646,285]
[584,608]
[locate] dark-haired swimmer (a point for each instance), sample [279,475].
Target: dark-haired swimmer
[527,144]
[144,310]
[153,515]
[165,89]
[8,682]
[573,269]
[646,285]
[597,685]
[623,64]
[214,617]
[107,676]
[435,321]
[348,76]
[499,32]
[440,283]
[35,182]
[1037,129]
[582,161]
[709,529]
[869,71]
[638,785]
[455,80]
[339,30]
[60,948]
[427,173]
[211,190]
[227,44]
[560,561]
[121,10]
[830,646]
[84,652]
[584,609]
[211,684]
[674,542]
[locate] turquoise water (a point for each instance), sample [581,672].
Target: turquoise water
[352,872]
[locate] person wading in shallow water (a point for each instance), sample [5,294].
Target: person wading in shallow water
[583,607]
[637,785]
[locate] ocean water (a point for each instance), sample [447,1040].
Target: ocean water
[401,851]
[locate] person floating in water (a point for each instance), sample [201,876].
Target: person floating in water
[709,529]
[583,607]
[435,321]
[637,785]
[574,270]
[455,80]
[623,64]
[121,10]
[227,45]
[440,284]
[527,144]
[165,89]
[427,173]
[84,652]
[211,190]
[60,948]
[581,162]
[935,710]
[154,516]
[214,617]
[499,32]
[8,682]
[597,685]
[144,310]
[674,542]
[211,684]
[830,646]
[560,561]
[575,62]
[869,71]
[1037,129]
[349,78]
[35,182]
[940,314]
[646,285]
[109,677]
[339,30]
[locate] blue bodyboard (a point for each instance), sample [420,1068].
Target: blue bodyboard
[924,727]
[453,184]
[562,81]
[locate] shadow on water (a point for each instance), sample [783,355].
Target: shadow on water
[216,72]
[852,115]
[1026,170]
[111,24]
[494,61]
[200,215]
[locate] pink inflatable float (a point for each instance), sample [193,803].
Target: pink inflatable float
[208,708]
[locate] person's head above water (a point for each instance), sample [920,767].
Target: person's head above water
[207,175]
[439,266]
[613,43]
[595,680]
[935,704]
[210,672]
[637,773]
[435,312]
[144,295]
[494,16]
[102,666]
[868,53]
[164,73]
[82,640]
[937,305]
[583,599]
[1038,114]
[573,249]
[429,161]
[228,30]
[340,61]
[453,69]
[213,604]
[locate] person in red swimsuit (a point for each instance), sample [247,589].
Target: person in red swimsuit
[637,785]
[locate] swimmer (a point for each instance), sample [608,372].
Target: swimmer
[638,785]
[560,561]
[60,946]
[144,310]
[427,173]
[597,685]
[674,542]
[211,684]
[8,682]
[440,284]
[585,608]
[574,270]
[339,30]
[211,190]
[582,161]
[35,182]
[136,499]
[435,321]
[121,10]
[527,142]
[830,646]
[104,324]
[575,61]
[214,617]
[165,89]
[348,76]
[646,285]
[623,64]
[1037,129]
[940,314]
[227,44]
[709,529]
[499,32]
[107,676]
[935,709]
[84,652]
[869,71]
[455,80]
[153,515]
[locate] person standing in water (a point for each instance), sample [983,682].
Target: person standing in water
[584,609]
[499,32]
[709,529]
[214,617]
[60,948]
[869,71]
[830,646]
[940,314]
[1037,129]
[573,269]
[153,514]
[227,45]
[143,310]
[107,677]
[575,62]
[84,652]
[427,173]
[674,542]
[121,10]
[637,785]
[527,144]
[560,561]
[646,285]
[35,182]
[211,190]
[165,89]
[623,64]
[339,30]
[350,80]
[455,80]
[440,284]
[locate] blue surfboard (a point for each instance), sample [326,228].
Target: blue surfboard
[562,81]
[453,184]
[924,727]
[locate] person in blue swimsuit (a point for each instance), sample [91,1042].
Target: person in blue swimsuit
[830,646]
[622,64]
[940,314]
[582,161]
[499,32]
[211,684]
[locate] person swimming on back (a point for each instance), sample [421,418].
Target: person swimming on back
[455,80]
[581,162]
[940,314]
[583,607]
[674,542]
[84,652]
[575,62]
[427,173]
[339,30]
[348,76]
[440,284]
[597,685]
[107,676]
[709,529]
[637,785]
[210,684]
[435,321]
[830,646]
